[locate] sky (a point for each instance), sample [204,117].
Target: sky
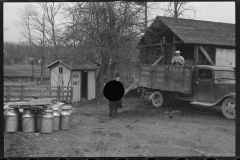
[208,11]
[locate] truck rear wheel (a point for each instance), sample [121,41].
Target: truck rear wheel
[157,99]
[228,108]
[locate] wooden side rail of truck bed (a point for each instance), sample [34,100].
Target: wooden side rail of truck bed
[176,78]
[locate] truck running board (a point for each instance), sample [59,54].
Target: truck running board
[202,104]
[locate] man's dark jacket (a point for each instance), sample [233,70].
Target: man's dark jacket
[117,103]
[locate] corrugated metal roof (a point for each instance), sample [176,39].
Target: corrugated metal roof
[83,65]
[200,32]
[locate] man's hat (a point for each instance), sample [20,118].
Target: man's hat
[177,52]
[117,75]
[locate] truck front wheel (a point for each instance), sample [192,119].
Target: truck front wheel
[228,108]
[157,99]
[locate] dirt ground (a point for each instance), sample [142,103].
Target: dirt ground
[140,130]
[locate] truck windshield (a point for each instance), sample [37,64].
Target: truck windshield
[224,75]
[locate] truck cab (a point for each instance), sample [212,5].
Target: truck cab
[214,86]
[212,83]
[200,85]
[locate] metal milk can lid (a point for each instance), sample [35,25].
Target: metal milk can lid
[27,113]
[66,107]
[10,112]
[48,111]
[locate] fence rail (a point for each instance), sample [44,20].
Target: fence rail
[13,93]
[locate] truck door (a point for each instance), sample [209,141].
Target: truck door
[204,85]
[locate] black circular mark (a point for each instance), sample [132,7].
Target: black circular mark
[113,91]
[151,159]
[62,159]
[211,158]
[32,159]
[92,159]
[122,159]
[181,159]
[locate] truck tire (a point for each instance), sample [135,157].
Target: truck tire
[228,108]
[157,99]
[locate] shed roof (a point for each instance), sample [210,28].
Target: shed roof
[86,65]
[200,32]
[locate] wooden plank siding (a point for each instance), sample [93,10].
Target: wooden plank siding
[12,92]
[167,77]
[145,76]
[159,81]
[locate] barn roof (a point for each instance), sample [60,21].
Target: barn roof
[83,65]
[200,32]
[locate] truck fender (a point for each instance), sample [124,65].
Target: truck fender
[228,95]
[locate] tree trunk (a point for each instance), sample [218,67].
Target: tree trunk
[42,70]
[112,70]
[102,75]
[146,15]
[32,71]
[43,61]
[175,9]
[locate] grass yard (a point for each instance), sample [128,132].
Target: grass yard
[24,70]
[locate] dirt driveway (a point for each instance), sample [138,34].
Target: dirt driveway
[140,130]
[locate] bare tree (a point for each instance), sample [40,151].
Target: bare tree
[32,23]
[52,28]
[105,28]
[178,9]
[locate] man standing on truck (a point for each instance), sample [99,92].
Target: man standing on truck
[178,59]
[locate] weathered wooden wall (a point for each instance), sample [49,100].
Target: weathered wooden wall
[149,54]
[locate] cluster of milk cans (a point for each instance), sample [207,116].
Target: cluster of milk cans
[53,118]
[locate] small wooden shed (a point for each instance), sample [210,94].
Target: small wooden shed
[81,76]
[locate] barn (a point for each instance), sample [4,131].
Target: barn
[200,42]
[81,76]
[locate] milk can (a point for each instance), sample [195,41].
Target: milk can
[4,116]
[19,120]
[28,121]
[11,120]
[56,120]
[38,118]
[47,121]
[65,117]
[71,111]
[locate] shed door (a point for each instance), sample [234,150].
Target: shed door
[84,84]
[91,85]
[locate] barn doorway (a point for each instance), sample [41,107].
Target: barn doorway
[187,51]
[84,85]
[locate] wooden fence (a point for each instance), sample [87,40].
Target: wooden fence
[15,93]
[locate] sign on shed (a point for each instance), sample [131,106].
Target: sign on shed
[225,57]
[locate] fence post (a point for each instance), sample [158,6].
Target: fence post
[41,95]
[71,99]
[21,98]
[58,93]
[8,93]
